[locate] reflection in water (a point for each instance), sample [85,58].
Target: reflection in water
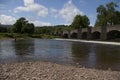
[79,53]
[96,55]
[107,55]
[0,48]
[6,50]
[24,50]
[24,47]
[53,50]
[86,54]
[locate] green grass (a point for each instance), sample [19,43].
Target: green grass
[13,35]
[16,35]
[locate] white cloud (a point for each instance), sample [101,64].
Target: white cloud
[54,12]
[28,2]
[4,19]
[19,9]
[67,12]
[40,23]
[30,5]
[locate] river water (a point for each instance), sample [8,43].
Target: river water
[90,55]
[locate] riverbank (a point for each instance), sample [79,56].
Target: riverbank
[90,41]
[51,71]
[26,36]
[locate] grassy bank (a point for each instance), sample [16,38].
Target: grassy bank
[15,35]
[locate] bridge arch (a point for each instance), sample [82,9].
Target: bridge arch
[96,35]
[74,35]
[65,35]
[113,34]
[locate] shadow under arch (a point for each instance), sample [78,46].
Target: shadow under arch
[96,35]
[74,35]
[114,34]
[65,35]
[84,35]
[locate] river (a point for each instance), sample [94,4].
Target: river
[90,55]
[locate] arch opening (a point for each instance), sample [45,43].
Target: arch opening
[96,35]
[74,35]
[114,34]
[65,35]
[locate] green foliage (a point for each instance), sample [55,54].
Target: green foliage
[17,28]
[50,30]
[77,22]
[3,29]
[43,30]
[107,15]
[67,28]
[80,22]
[28,28]
[117,18]
[13,35]
[22,26]
[86,21]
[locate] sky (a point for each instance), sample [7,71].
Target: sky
[49,12]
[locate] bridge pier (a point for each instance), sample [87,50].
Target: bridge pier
[79,35]
[69,34]
[89,31]
[103,33]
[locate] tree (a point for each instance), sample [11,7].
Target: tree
[28,28]
[117,18]
[86,21]
[17,28]
[80,22]
[111,12]
[22,26]
[102,13]
[107,15]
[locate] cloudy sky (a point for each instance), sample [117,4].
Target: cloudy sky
[48,12]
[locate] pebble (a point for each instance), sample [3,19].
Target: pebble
[50,71]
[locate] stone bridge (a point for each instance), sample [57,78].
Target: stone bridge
[103,33]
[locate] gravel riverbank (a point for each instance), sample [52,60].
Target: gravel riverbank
[51,71]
